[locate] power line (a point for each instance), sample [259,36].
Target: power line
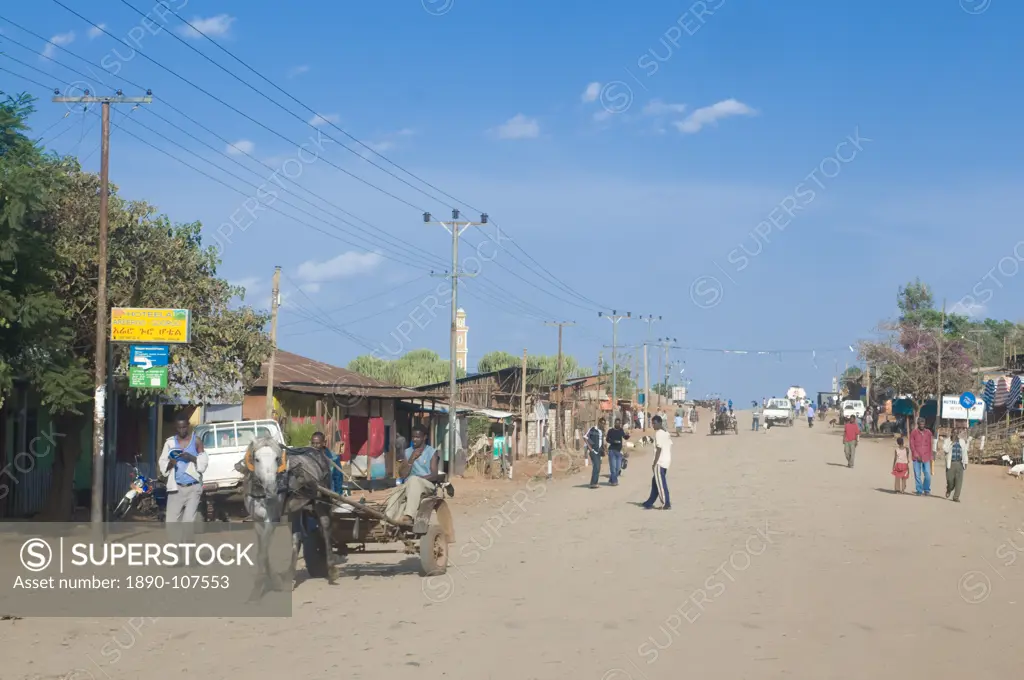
[366,299]
[554,278]
[235,109]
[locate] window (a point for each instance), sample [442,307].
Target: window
[246,434]
[225,437]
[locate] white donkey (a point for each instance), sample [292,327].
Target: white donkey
[282,483]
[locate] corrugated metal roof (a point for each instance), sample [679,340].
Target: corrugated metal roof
[300,374]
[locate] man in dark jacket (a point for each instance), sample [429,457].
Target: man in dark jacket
[595,440]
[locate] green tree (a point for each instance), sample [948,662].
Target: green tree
[415,368]
[547,365]
[50,211]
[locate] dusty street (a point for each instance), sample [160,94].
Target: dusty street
[775,561]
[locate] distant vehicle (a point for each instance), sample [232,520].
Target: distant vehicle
[853,407]
[778,412]
[225,444]
[796,393]
[679,393]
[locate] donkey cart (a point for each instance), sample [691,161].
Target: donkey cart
[354,524]
[724,422]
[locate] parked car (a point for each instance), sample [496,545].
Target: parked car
[853,407]
[778,412]
[225,443]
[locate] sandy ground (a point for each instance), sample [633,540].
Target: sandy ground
[776,561]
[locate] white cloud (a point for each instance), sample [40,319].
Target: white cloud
[242,146]
[96,31]
[310,287]
[324,118]
[61,39]
[656,107]
[710,115]
[298,70]
[519,127]
[975,310]
[212,26]
[592,92]
[347,264]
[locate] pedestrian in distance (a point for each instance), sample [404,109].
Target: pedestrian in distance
[955,448]
[851,437]
[810,416]
[659,470]
[900,466]
[922,449]
[756,423]
[615,438]
[679,423]
[183,462]
[595,449]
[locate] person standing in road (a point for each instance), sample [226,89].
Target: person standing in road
[851,437]
[662,461]
[595,448]
[921,453]
[756,424]
[810,416]
[183,462]
[615,437]
[955,447]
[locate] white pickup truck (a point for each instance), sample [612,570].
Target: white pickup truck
[778,412]
[225,443]
[853,407]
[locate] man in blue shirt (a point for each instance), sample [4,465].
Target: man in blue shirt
[418,474]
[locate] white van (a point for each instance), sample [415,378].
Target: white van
[853,407]
[225,444]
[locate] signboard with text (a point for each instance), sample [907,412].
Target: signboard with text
[953,409]
[147,378]
[134,324]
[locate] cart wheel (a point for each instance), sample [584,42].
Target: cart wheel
[315,553]
[434,551]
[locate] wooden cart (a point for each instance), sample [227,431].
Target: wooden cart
[358,522]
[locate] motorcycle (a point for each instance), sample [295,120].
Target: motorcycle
[146,496]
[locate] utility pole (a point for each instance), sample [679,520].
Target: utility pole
[100,391]
[938,394]
[275,302]
[456,227]
[650,320]
[561,386]
[522,407]
[666,344]
[615,318]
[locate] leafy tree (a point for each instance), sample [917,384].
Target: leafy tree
[548,365]
[415,368]
[908,363]
[50,212]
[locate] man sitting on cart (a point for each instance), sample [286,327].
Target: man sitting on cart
[418,473]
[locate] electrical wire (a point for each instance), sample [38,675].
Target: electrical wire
[366,299]
[234,108]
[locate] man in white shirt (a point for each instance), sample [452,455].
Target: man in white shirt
[662,461]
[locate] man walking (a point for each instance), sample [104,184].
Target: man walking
[810,415]
[921,449]
[615,437]
[758,410]
[955,448]
[183,462]
[851,437]
[595,448]
[662,461]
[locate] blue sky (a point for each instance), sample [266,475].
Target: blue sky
[634,152]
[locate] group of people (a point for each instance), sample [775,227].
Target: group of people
[919,457]
[611,443]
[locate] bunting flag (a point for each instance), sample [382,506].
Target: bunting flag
[989,396]
[1013,400]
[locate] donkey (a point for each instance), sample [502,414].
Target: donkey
[282,482]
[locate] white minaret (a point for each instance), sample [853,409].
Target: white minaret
[461,340]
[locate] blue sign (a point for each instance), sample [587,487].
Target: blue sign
[968,400]
[149,356]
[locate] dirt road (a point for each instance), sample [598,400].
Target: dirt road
[775,561]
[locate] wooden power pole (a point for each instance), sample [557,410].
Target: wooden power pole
[99,420]
[558,438]
[522,408]
[274,303]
